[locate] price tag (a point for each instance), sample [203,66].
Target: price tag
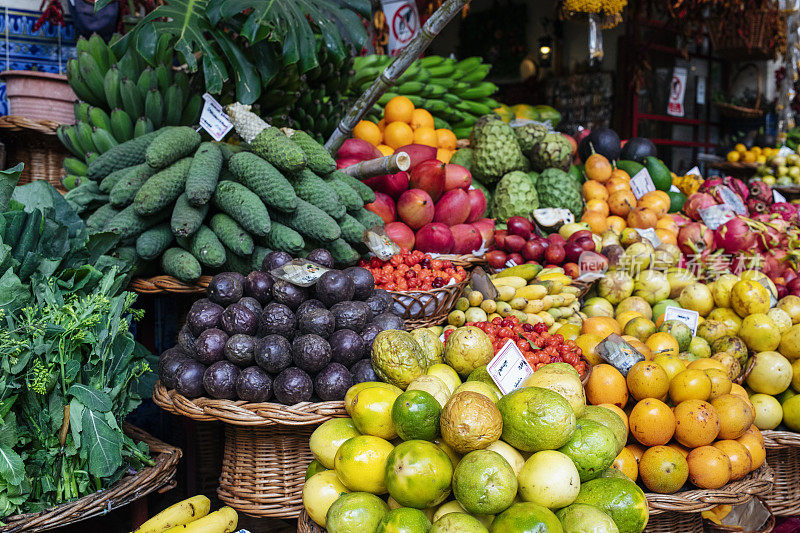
[592,266]
[508,368]
[777,197]
[618,353]
[551,216]
[642,183]
[783,151]
[299,272]
[481,283]
[673,188]
[731,199]
[696,171]
[380,244]
[213,119]
[687,316]
[650,235]
[716,215]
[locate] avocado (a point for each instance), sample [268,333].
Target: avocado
[603,141]
[368,335]
[362,371]
[225,288]
[321,256]
[189,378]
[275,260]
[278,319]
[252,304]
[239,319]
[203,315]
[210,346]
[186,340]
[387,321]
[317,321]
[285,293]
[347,347]
[363,280]
[309,304]
[219,380]
[240,350]
[258,285]
[254,385]
[168,363]
[637,149]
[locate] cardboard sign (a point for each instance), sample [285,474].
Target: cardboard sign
[716,215]
[777,197]
[380,244]
[508,368]
[213,119]
[687,316]
[731,199]
[642,183]
[677,91]
[618,353]
[650,235]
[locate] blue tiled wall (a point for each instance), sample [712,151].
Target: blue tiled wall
[23,49]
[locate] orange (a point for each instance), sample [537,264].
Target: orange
[647,379]
[619,173]
[663,469]
[666,236]
[684,451]
[598,168]
[753,430]
[570,332]
[671,364]
[652,422]
[656,202]
[368,131]
[696,423]
[598,205]
[705,364]
[620,203]
[426,136]
[626,316]
[740,391]
[709,468]
[446,139]
[420,118]
[738,455]
[594,190]
[399,109]
[606,385]
[444,155]
[663,195]
[619,412]
[602,326]
[736,415]
[637,450]
[756,448]
[597,221]
[642,217]
[385,150]
[639,346]
[616,223]
[617,184]
[662,343]
[668,223]
[588,342]
[398,134]
[691,384]
[626,463]
[382,124]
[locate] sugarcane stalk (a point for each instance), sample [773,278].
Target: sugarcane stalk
[390,164]
[388,77]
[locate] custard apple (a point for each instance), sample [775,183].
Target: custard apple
[515,195]
[496,152]
[463,157]
[479,127]
[552,151]
[557,189]
[530,134]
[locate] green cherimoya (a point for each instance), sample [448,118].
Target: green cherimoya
[464,157]
[557,189]
[515,195]
[496,152]
[530,134]
[552,151]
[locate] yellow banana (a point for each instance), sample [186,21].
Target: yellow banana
[510,281]
[221,521]
[179,514]
[532,292]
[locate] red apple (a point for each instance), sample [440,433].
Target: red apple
[415,208]
[477,205]
[516,258]
[456,177]
[345,162]
[359,149]
[554,254]
[428,176]
[514,243]
[383,206]
[435,238]
[486,228]
[533,251]
[521,226]
[400,234]
[418,153]
[496,258]
[466,239]
[555,238]
[392,184]
[452,208]
[500,238]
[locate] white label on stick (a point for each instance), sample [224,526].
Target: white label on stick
[642,183]
[213,119]
[696,171]
[716,215]
[777,197]
[650,235]
[687,316]
[508,368]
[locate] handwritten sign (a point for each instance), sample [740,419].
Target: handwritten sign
[509,369]
[213,119]
[642,183]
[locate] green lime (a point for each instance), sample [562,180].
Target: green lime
[484,482]
[355,512]
[415,415]
[314,468]
[526,517]
[592,447]
[404,520]
[621,499]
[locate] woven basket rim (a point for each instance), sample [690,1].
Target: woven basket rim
[123,492]
[446,288]
[757,483]
[780,439]
[241,413]
[163,284]
[22,123]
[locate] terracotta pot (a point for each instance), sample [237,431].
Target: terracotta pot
[39,95]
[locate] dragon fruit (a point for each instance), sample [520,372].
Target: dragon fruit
[709,184]
[760,191]
[757,205]
[696,202]
[737,186]
[712,186]
[785,210]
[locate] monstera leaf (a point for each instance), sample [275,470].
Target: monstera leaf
[242,39]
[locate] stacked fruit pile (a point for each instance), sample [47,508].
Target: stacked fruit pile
[223,207]
[413,271]
[452,91]
[537,113]
[121,99]
[260,336]
[754,154]
[776,169]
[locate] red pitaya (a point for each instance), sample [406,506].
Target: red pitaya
[787,211]
[737,186]
[756,205]
[760,191]
[696,202]
[709,184]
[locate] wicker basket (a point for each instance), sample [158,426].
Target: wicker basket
[466,261]
[737,111]
[168,284]
[421,309]
[754,41]
[783,455]
[675,523]
[266,448]
[159,477]
[34,143]
[711,527]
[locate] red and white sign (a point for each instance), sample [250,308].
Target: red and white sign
[677,90]
[403,21]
